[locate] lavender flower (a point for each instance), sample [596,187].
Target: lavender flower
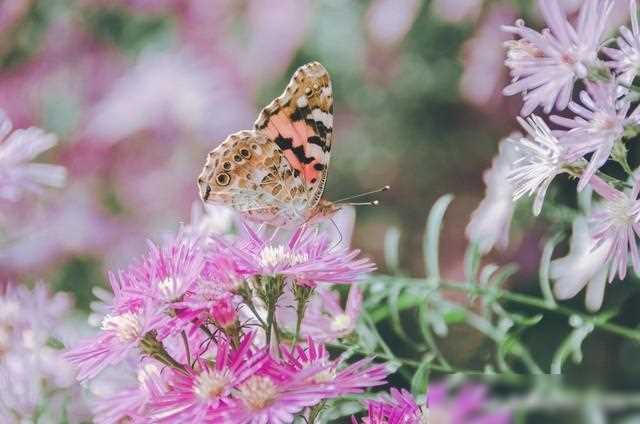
[17,174]
[615,222]
[545,65]
[490,222]
[626,59]
[540,159]
[599,124]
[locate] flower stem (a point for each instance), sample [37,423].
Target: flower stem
[302,295]
[151,346]
[272,290]
[247,297]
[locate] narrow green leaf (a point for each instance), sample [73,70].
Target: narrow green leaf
[432,236]
[472,259]
[420,379]
[392,249]
[545,264]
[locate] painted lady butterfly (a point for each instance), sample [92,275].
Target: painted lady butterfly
[276,173]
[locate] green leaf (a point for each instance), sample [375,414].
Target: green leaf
[392,249]
[455,316]
[472,259]
[420,379]
[432,236]
[545,265]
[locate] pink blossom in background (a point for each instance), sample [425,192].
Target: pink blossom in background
[18,175]
[484,74]
[490,222]
[626,58]
[544,67]
[326,320]
[166,89]
[455,11]
[11,11]
[586,265]
[389,21]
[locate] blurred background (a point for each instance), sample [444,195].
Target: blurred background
[138,91]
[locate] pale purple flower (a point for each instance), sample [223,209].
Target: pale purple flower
[599,123]
[540,159]
[545,65]
[307,257]
[131,402]
[626,59]
[18,175]
[456,11]
[120,336]
[325,319]
[615,222]
[586,264]
[490,222]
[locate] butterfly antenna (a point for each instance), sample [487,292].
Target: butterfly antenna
[339,233]
[372,203]
[380,190]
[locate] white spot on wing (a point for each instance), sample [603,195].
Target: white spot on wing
[320,116]
[302,101]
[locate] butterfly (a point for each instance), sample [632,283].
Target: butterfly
[276,172]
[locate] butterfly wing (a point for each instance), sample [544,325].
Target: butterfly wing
[249,173]
[300,123]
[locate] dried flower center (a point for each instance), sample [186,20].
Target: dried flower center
[271,257]
[341,322]
[210,384]
[127,326]
[258,392]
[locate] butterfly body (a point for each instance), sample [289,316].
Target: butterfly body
[276,173]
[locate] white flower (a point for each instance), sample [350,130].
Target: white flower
[17,174]
[490,222]
[585,265]
[540,159]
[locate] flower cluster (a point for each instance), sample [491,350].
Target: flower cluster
[467,407]
[592,129]
[36,380]
[214,311]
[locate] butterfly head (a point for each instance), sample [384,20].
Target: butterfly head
[324,210]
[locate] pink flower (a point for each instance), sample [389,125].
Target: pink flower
[467,407]
[307,258]
[326,320]
[615,222]
[18,176]
[197,395]
[545,65]
[599,124]
[336,379]
[626,59]
[224,312]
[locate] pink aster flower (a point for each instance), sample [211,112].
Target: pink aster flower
[585,265]
[600,122]
[490,222]
[626,59]
[18,175]
[540,158]
[615,222]
[274,397]
[326,320]
[467,407]
[197,395]
[337,380]
[545,65]
[307,258]
[121,334]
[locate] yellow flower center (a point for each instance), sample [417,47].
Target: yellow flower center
[127,326]
[210,384]
[258,392]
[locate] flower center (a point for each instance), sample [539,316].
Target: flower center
[127,326]
[271,257]
[325,376]
[258,392]
[210,384]
[341,322]
[603,121]
[170,288]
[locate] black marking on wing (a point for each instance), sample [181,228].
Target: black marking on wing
[300,113]
[302,157]
[284,143]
